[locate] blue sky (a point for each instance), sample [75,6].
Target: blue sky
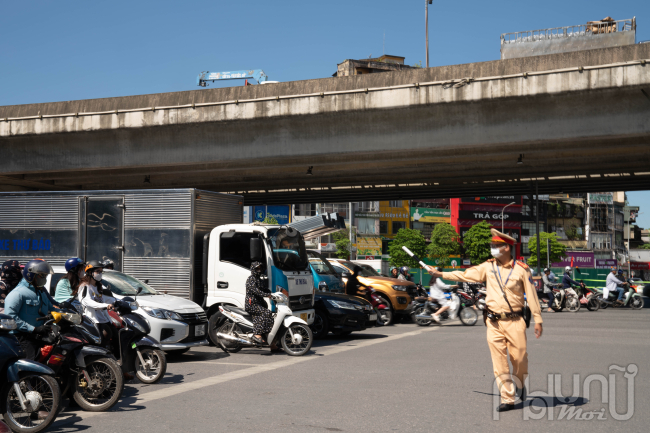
[67,50]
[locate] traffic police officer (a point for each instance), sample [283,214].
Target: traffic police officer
[506,282]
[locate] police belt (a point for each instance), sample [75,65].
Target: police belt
[503,316]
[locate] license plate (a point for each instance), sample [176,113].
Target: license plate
[199,330]
[373,317]
[303,316]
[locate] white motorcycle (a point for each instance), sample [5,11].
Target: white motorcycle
[236,332]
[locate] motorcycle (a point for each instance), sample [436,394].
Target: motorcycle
[589,297]
[384,313]
[236,329]
[423,310]
[134,349]
[89,372]
[473,295]
[563,298]
[631,299]
[30,398]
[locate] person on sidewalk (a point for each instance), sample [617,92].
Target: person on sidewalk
[506,281]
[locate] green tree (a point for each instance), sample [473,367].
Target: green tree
[556,249]
[477,242]
[414,241]
[645,247]
[270,221]
[342,242]
[444,243]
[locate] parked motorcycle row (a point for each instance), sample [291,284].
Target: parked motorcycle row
[592,298]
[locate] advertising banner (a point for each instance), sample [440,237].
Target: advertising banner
[580,260]
[601,198]
[368,246]
[280,213]
[639,266]
[605,263]
[505,199]
[427,215]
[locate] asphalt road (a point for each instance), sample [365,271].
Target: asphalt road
[398,378]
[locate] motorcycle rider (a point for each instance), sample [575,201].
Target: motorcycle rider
[10,276]
[568,282]
[548,288]
[436,293]
[256,306]
[26,303]
[612,284]
[95,302]
[109,264]
[353,285]
[67,286]
[394,272]
[404,274]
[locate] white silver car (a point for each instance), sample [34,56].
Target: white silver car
[178,324]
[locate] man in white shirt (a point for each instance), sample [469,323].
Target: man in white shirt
[613,283]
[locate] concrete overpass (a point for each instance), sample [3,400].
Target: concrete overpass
[580,121]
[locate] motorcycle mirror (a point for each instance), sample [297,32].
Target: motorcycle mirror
[146,281]
[139,291]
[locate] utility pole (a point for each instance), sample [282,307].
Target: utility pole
[537,224]
[502,210]
[426,24]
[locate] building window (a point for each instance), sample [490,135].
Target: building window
[395,203]
[366,226]
[339,208]
[305,210]
[383,227]
[367,206]
[398,225]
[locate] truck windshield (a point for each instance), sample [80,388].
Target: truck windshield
[289,253]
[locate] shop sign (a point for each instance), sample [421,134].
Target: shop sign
[580,260]
[366,214]
[639,266]
[497,199]
[487,216]
[280,213]
[427,215]
[605,263]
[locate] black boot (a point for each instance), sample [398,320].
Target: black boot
[505,407]
[521,392]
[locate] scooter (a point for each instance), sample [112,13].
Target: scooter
[422,313]
[631,299]
[30,397]
[589,297]
[134,349]
[89,372]
[236,330]
[564,299]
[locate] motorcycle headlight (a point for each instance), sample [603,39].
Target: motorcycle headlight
[399,288]
[343,305]
[135,325]
[134,305]
[8,324]
[73,318]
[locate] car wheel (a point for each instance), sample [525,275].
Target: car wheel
[320,327]
[385,317]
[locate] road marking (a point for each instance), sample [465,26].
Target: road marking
[256,369]
[215,363]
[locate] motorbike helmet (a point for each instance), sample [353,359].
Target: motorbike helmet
[620,272]
[567,269]
[72,263]
[108,264]
[404,270]
[91,266]
[546,270]
[36,272]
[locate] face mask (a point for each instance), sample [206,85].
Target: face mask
[496,252]
[39,281]
[97,277]
[81,273]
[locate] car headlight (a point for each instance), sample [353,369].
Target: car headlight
[399,288]
[8,324]
[135,325]
[367,307]
[161,313]
[343,305]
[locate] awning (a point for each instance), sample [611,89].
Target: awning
[320,225]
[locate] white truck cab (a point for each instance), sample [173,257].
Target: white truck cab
[233,247]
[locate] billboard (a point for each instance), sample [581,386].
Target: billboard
[580,260]
[601,198]
[280,213]
[427,215]
[497,199]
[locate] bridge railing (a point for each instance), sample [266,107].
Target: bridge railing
[592,28]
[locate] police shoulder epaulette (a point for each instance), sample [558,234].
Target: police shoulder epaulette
[522,264]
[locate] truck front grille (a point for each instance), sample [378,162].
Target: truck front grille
[300,302]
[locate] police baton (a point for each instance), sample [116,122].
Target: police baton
[414,257]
